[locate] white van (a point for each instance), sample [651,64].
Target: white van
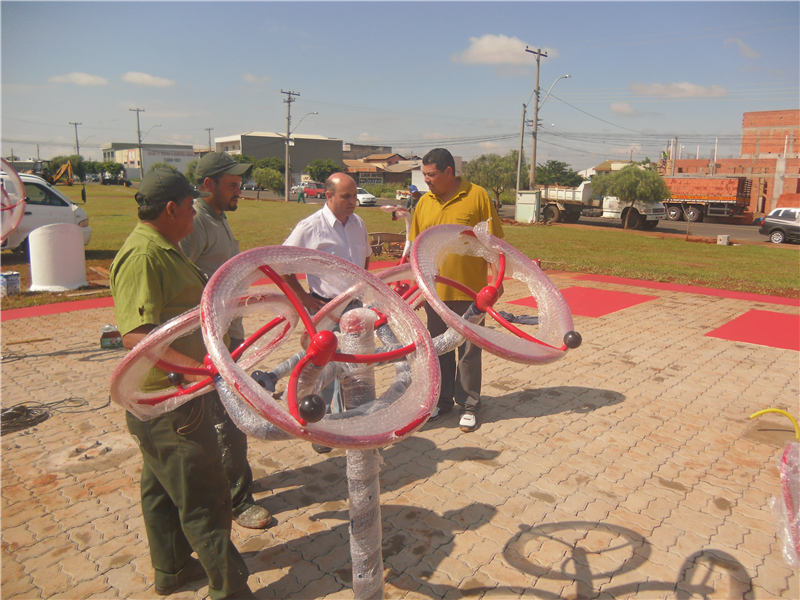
[44,205]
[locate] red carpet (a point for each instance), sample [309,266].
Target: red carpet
[589,302]
[764,328]
[691,289]
[53,309]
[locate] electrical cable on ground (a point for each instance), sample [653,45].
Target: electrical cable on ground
[27,414]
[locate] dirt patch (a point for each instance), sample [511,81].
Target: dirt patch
[770,431]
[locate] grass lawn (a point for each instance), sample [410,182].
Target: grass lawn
[757,269]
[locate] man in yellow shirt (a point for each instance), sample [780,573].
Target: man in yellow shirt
[454,200]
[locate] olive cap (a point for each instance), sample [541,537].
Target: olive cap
[162,185]
[219,163]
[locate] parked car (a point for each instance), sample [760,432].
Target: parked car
[44,205]
[312,188]
[115,181]
[250,185]
[782,225]
[365,198]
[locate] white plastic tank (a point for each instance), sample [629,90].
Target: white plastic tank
[58,262]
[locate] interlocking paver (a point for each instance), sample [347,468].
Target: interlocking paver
[635,450]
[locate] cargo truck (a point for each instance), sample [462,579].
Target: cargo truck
[561,204]
[694,198]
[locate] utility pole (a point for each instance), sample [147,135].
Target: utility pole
[521,142]
[209,130]
[288,171]
[77,145]
[539,54]
[139,137]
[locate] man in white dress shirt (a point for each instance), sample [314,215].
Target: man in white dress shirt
[337,230]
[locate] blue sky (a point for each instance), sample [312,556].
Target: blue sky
[413,75]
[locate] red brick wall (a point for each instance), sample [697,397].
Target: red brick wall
[766,133]
[701,186]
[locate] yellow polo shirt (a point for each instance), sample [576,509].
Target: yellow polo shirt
[470,206]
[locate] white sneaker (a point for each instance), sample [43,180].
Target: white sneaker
[468,422]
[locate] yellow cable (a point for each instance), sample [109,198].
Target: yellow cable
[784,413]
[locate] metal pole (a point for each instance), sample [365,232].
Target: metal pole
[77,144]
[539,54]
[521,141]
[714,166]
[288,171]
[209,130]
[139,137]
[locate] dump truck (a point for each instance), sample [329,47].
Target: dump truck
[567,204]
[696,197]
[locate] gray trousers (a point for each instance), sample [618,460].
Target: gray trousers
[460,381]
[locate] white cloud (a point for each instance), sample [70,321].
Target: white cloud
[499,50]
[744,49]
[367,137]
[623,108]
[250,78]
[677,90]
[78,78]
[146,80]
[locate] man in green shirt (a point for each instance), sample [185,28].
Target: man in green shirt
[209,246]
[186,502]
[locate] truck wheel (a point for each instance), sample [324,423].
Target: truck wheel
[552,214]
[649,225]
[777,237]
[674,213]
[632,218]
[694,214]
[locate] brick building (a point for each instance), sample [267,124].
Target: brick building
[769,158]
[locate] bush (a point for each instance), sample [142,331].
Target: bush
[384,190]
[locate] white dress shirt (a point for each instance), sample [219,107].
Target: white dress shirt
[323,231]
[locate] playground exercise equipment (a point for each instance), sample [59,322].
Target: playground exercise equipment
[12,202]
[340,342]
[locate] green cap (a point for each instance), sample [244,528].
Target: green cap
[162,185]
[218,163]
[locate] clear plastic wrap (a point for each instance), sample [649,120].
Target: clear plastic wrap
[375,424]
[555,320]
[785,507]
[128,378]
[12,201]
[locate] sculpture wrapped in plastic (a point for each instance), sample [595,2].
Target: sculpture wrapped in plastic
[12,201]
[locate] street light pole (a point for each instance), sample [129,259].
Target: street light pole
[139,137]
[209,130]
[287,170]
[521,142]
[77,144]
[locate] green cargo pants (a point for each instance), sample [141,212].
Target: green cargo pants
[186,500]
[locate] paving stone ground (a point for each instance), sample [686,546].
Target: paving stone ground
[630,469]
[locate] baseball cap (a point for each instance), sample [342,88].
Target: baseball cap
[217,163]
[162,185]
[412,189]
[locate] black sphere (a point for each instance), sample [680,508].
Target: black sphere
[572,339]
[312,408]
[175,378]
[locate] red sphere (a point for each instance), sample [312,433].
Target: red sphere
[322,347]
[486,298]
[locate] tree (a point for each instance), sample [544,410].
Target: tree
[555,172]
[191,167]
[272,163]
[243,158]
[631,183]
[493,172]
[161,165]
[92,166]
[269,179]
[320,169]
[112,168]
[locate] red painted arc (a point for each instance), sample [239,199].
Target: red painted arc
[210,371]
[516,331]
[292,297]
